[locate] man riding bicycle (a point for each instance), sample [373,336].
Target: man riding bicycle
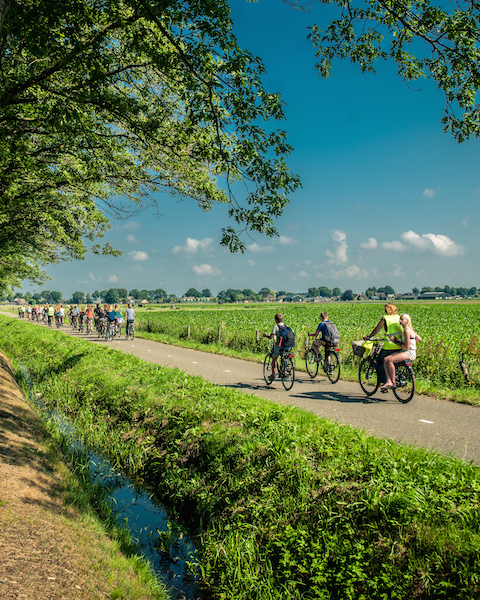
[321,331]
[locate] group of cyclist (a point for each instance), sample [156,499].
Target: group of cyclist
[108,315]
[399,342]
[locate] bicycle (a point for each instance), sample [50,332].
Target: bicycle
[89,326]
[286,367]
[330,362]
[129,330]
[404,389]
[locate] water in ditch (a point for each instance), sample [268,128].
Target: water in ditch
[166,546]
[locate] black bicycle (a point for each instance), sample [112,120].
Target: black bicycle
[404,389]
[330,362]
[285,367]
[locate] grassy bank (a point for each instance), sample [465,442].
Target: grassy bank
[283,504]
[48,525]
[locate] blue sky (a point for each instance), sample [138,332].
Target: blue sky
[387,199]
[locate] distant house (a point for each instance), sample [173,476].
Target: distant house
[143,302]
[295,298]
[431,296]
[408,296]
[360,298]
[381,296]
[20,301]
[268,298]
[188,298]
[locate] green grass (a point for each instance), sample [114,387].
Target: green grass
[281,503]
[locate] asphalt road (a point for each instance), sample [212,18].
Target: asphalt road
[426,422]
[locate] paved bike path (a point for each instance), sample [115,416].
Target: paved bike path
[427,422]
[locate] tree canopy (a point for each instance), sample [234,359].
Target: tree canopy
[438,40]
[124,99]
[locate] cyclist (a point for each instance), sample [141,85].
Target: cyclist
[74,312]
[408,344]
[82,317]
[320,331]
[89,318]
[130,316]
[276,332]
[391,324]
[50,314]
[96,313]
[118,315]
[111,316]
[62,314]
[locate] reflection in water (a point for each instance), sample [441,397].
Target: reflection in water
[168,549]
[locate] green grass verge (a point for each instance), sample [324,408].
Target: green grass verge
[283,505]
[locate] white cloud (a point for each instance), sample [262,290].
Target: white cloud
[434,243]
[252,263]
[303,274]
[371,244]
[352,272]
[398,271]
[92,277]
[465,221]
[138,256]
[339,256]
[257,249]
[428,193]
[131,239]
[280,268]
[113,278]
[395,246]
[286,241]
[192,246]
[132,226]
[205,269]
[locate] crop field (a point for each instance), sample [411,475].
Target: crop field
[448,330]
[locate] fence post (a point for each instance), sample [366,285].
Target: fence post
[219,333]
[257,336]
[188,331]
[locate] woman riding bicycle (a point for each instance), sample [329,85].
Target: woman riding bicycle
[408,343]
[391,324]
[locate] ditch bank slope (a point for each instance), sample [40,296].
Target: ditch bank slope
[48,550]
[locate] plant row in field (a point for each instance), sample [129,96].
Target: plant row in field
[283,504]
[448,331]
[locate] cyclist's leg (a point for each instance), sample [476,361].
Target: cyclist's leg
[382,377]
[275,355]
[389,364]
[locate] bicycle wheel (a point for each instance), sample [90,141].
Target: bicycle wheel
[368,377]
[287,372]
[310,363]
[332,365]
[405,383]
[267,368]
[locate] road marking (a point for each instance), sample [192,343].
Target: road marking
[424,421]
[169,356]
[194,362]
[227,371]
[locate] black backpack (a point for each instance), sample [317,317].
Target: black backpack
[287,337]
[331,335]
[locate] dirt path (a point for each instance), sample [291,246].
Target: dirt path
[48,550]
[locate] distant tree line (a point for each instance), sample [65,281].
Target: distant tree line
[121,295]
